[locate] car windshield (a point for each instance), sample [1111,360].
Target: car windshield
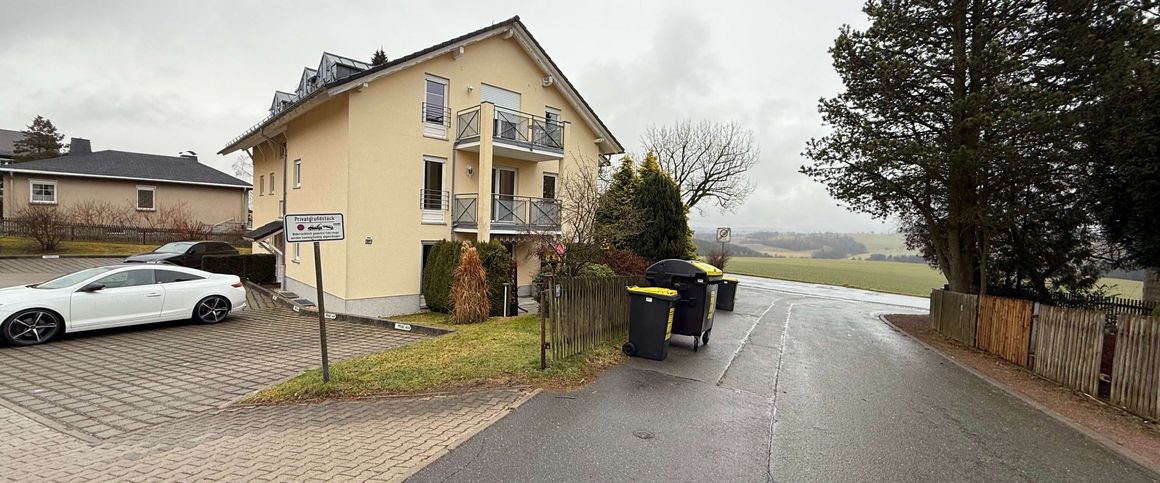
[72,278]
[175,247]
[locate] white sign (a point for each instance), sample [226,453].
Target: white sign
[724,234]
[312,227]
[401,326]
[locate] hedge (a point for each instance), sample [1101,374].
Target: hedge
[256,267]
[441,263]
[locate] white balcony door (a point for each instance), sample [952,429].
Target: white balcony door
[503,186]
[433,195]
[507,103]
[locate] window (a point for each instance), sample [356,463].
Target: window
[435,101]
[552,125]
[297,173]
[297,252]
[272,183]
[432,183]
[261,185]
[128,278]
[43,192]
[146,198]
[173,276]
[549,186]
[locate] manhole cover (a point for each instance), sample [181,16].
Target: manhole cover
[644,435]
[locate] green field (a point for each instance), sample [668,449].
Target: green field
[884,243]
[892,277]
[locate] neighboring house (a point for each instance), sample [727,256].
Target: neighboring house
[8,145]
[466,140]
[142,182]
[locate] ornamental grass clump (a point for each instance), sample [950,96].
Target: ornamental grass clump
[469,292]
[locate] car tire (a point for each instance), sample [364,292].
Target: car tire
[31,327]
[211,310]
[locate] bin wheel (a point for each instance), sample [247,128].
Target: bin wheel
[628,348]
[705,337]
[696,343]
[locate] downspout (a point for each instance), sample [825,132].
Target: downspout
[451,197]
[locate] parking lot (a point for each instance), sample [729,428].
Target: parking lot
[155,402]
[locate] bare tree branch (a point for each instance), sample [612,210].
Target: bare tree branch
[708,160]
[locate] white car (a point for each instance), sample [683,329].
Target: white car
[115,296]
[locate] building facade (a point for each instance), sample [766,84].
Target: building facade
[467,140]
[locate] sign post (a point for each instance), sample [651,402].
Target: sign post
[317,228]
[723,236]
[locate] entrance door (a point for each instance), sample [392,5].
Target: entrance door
[503,188]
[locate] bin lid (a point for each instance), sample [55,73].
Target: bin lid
[729,279]
[683,268]
[661,292]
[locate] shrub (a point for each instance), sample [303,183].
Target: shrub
[444,258]
[624,262]
[256,267]
[718,257]
[45,224]
[437,275]
[469,290]
[597,270]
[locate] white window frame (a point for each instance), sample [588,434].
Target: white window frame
[297,173]
[555,185]
[297,253]
[434,217]
[431,129]
[272,183]
[261,185]
[32,191]
[151,189]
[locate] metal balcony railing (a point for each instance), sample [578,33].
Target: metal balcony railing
[433,114]
[513,127]
[433,199]
[508,211]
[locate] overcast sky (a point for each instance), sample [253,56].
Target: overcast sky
[164,77]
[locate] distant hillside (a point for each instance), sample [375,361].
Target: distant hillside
[813,245]
[704,246]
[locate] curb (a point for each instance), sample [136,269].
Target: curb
[1098,438]
[466,436]
[358,319]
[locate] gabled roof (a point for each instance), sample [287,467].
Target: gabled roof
[306,102]
[7,142]
[129,166]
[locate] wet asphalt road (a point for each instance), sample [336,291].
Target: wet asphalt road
[800,383]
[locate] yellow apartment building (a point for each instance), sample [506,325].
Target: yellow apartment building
[466,140]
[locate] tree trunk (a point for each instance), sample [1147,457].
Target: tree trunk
[1152,285]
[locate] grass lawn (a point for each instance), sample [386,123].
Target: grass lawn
[501,351]
[884,243]
[893,277]
[11,245]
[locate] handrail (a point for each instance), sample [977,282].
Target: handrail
[432,199]
[509,210]
[434,114]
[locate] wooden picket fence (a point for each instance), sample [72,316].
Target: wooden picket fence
[1063,344]
[1136,366]
[584,312]
[953,315]
[1069,346]
[1004,328]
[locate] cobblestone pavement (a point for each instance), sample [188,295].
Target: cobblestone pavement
[103,383]
[53,265]
[365,440]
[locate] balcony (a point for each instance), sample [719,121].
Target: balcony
[509,214]
[515,134]
[432,204]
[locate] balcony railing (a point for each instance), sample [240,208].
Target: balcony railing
[508,212]
[434,200]
[512,127]
[433,114]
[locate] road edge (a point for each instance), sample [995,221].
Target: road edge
[1108,443]
[462,438]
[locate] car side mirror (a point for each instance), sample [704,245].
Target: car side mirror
[92,287]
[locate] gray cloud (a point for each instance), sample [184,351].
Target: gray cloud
[169,76]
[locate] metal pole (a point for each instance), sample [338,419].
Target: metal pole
[321,312]
[505,299]
[543,335]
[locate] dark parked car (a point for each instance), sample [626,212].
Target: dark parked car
[186,253]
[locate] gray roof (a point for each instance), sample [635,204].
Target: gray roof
[132,166]
[7,142]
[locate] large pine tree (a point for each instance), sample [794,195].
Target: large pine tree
[957,118]
[41,141]
[616,223]
[657,200]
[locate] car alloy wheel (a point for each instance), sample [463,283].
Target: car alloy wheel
[212,310]
[31,327]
